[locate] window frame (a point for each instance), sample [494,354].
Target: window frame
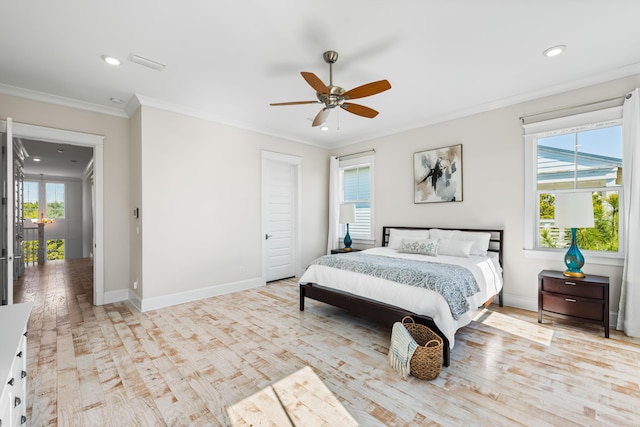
[352,163]
[558,126]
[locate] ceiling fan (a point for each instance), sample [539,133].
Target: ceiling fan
[334,96]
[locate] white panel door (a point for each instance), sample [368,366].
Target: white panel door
[280,189]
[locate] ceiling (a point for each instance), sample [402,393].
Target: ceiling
[227,61]
[59,160]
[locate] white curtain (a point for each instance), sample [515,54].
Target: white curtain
[629,313]
[334,204]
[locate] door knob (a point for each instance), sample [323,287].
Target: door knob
[268,236]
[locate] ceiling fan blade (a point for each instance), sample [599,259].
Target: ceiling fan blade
[359,110]
[315,82]
[322,117]
[275,104]
[367,90]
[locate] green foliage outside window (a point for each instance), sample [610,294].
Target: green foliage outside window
[602,237]
[55,249]
[55,210]
[30,251]
[30,210]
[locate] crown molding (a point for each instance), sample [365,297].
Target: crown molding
[60,101]
[595,79]
[146,101]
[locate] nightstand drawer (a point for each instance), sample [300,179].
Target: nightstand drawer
[573,306]
[573,288]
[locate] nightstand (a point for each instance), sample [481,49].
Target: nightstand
[583,300]
[342,251]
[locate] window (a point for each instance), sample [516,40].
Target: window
[356,183]
[55,249]
[581,153]
[30,199]
[55,200]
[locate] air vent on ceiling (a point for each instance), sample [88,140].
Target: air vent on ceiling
[146,62]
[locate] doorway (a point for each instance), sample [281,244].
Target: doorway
[281,189]
[51,140]
[58,181]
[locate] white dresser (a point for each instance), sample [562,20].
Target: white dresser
[13,363]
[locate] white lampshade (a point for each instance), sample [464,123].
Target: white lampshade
[574,210]
[347,213]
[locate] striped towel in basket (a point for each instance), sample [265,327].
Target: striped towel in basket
[401,349]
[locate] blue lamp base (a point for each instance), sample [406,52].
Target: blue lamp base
[347,241]
[574,259]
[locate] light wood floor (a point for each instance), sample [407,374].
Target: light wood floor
[202,363]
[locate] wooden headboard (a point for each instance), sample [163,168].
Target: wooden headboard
[495,243]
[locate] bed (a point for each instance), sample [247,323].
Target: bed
[387,301]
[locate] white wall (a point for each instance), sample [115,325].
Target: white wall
[135,195]
[201,221]
[493,159]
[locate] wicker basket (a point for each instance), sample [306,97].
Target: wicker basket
[426,362]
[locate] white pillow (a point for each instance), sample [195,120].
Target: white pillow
[450,247]
[421,247]
[480,239]
[396,235]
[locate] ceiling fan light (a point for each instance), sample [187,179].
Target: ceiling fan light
[333,96]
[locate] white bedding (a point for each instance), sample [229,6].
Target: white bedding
[486,270]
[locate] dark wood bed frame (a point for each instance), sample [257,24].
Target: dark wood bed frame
[387,314]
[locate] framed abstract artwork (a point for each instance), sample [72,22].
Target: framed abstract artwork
[437,175]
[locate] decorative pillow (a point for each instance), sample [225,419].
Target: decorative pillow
[422,247]
[460,248]
[396,235]
[480,240]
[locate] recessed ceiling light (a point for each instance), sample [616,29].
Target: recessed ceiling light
[60,150]
[554,50]
[110,60]
[36,159]
[324,128]
[116,100]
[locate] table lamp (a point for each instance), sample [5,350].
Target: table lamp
[574,210]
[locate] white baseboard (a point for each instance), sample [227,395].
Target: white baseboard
[116,296]
[155,303]
[613,320]
[135,300]
[517,301]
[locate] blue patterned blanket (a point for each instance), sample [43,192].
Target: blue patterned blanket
[455,283]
